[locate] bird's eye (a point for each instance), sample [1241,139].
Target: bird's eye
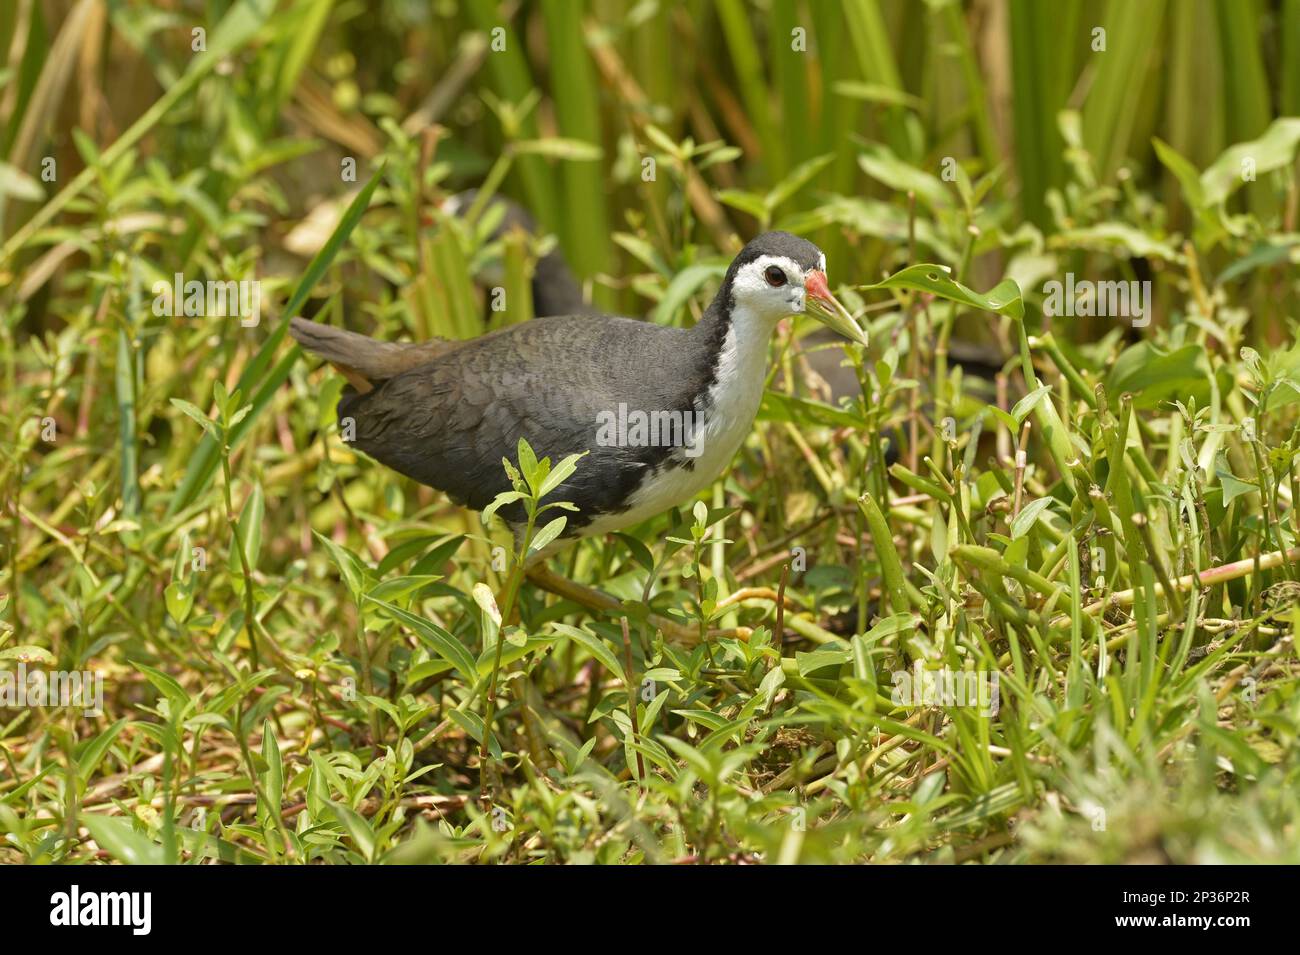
[775,277]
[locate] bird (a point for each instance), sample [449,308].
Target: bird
[446,413]
[556,291]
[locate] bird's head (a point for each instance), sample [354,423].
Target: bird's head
[777,275]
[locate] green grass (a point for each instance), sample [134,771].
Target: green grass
[309,659]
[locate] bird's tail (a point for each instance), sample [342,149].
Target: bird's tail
[364,361]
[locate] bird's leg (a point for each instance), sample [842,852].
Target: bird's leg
[591,598]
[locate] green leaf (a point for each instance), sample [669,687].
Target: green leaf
[750,203]
[273,778]
[1026,405]
[560,473]
[574,150]
[178,597]
[799,177]
[769,686]
[891,567]
[882,165]
[472,724]
[116,836]
[357,827]
[1273,150]
[547,534]
[29,654]
[596,647]
[175,694]
[500,501]
[249,529]
[349,564]
[206,423]
[1029,516]
[528,464]
[778,406]
[1233,487]
[16,183]
[1116,238]
[1153,375]
[694,759]
[396,588]
[1004,299]
[877,93]
[640,553]
[96,748]
[436,639]
[811,661]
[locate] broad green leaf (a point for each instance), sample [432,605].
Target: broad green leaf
[1004,299]
[748,202]
[435,638]
[29,654]
[548,534]
[498,502]
[94,751]
[116,836]
[349,564]
[16,183]
[1116,238]
[1029,516]
[560,473]
[1153,375]
[882,165]
[814,660]
[798,177]
[1233,487]
[204,422]
[165,684]
[597,647]
[1275,149]
[1026,405]
[357,827]
[778,406]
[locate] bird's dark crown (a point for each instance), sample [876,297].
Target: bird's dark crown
[777,243]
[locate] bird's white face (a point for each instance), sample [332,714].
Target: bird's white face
[773,287]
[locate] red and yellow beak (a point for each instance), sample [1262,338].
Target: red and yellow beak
[826,308]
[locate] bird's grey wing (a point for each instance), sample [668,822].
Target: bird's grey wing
[450,422]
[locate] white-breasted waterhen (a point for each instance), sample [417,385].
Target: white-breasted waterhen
[446,413]
[556,291]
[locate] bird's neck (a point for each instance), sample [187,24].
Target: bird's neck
[733,344]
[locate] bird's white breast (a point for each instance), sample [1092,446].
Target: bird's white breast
[723,421]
